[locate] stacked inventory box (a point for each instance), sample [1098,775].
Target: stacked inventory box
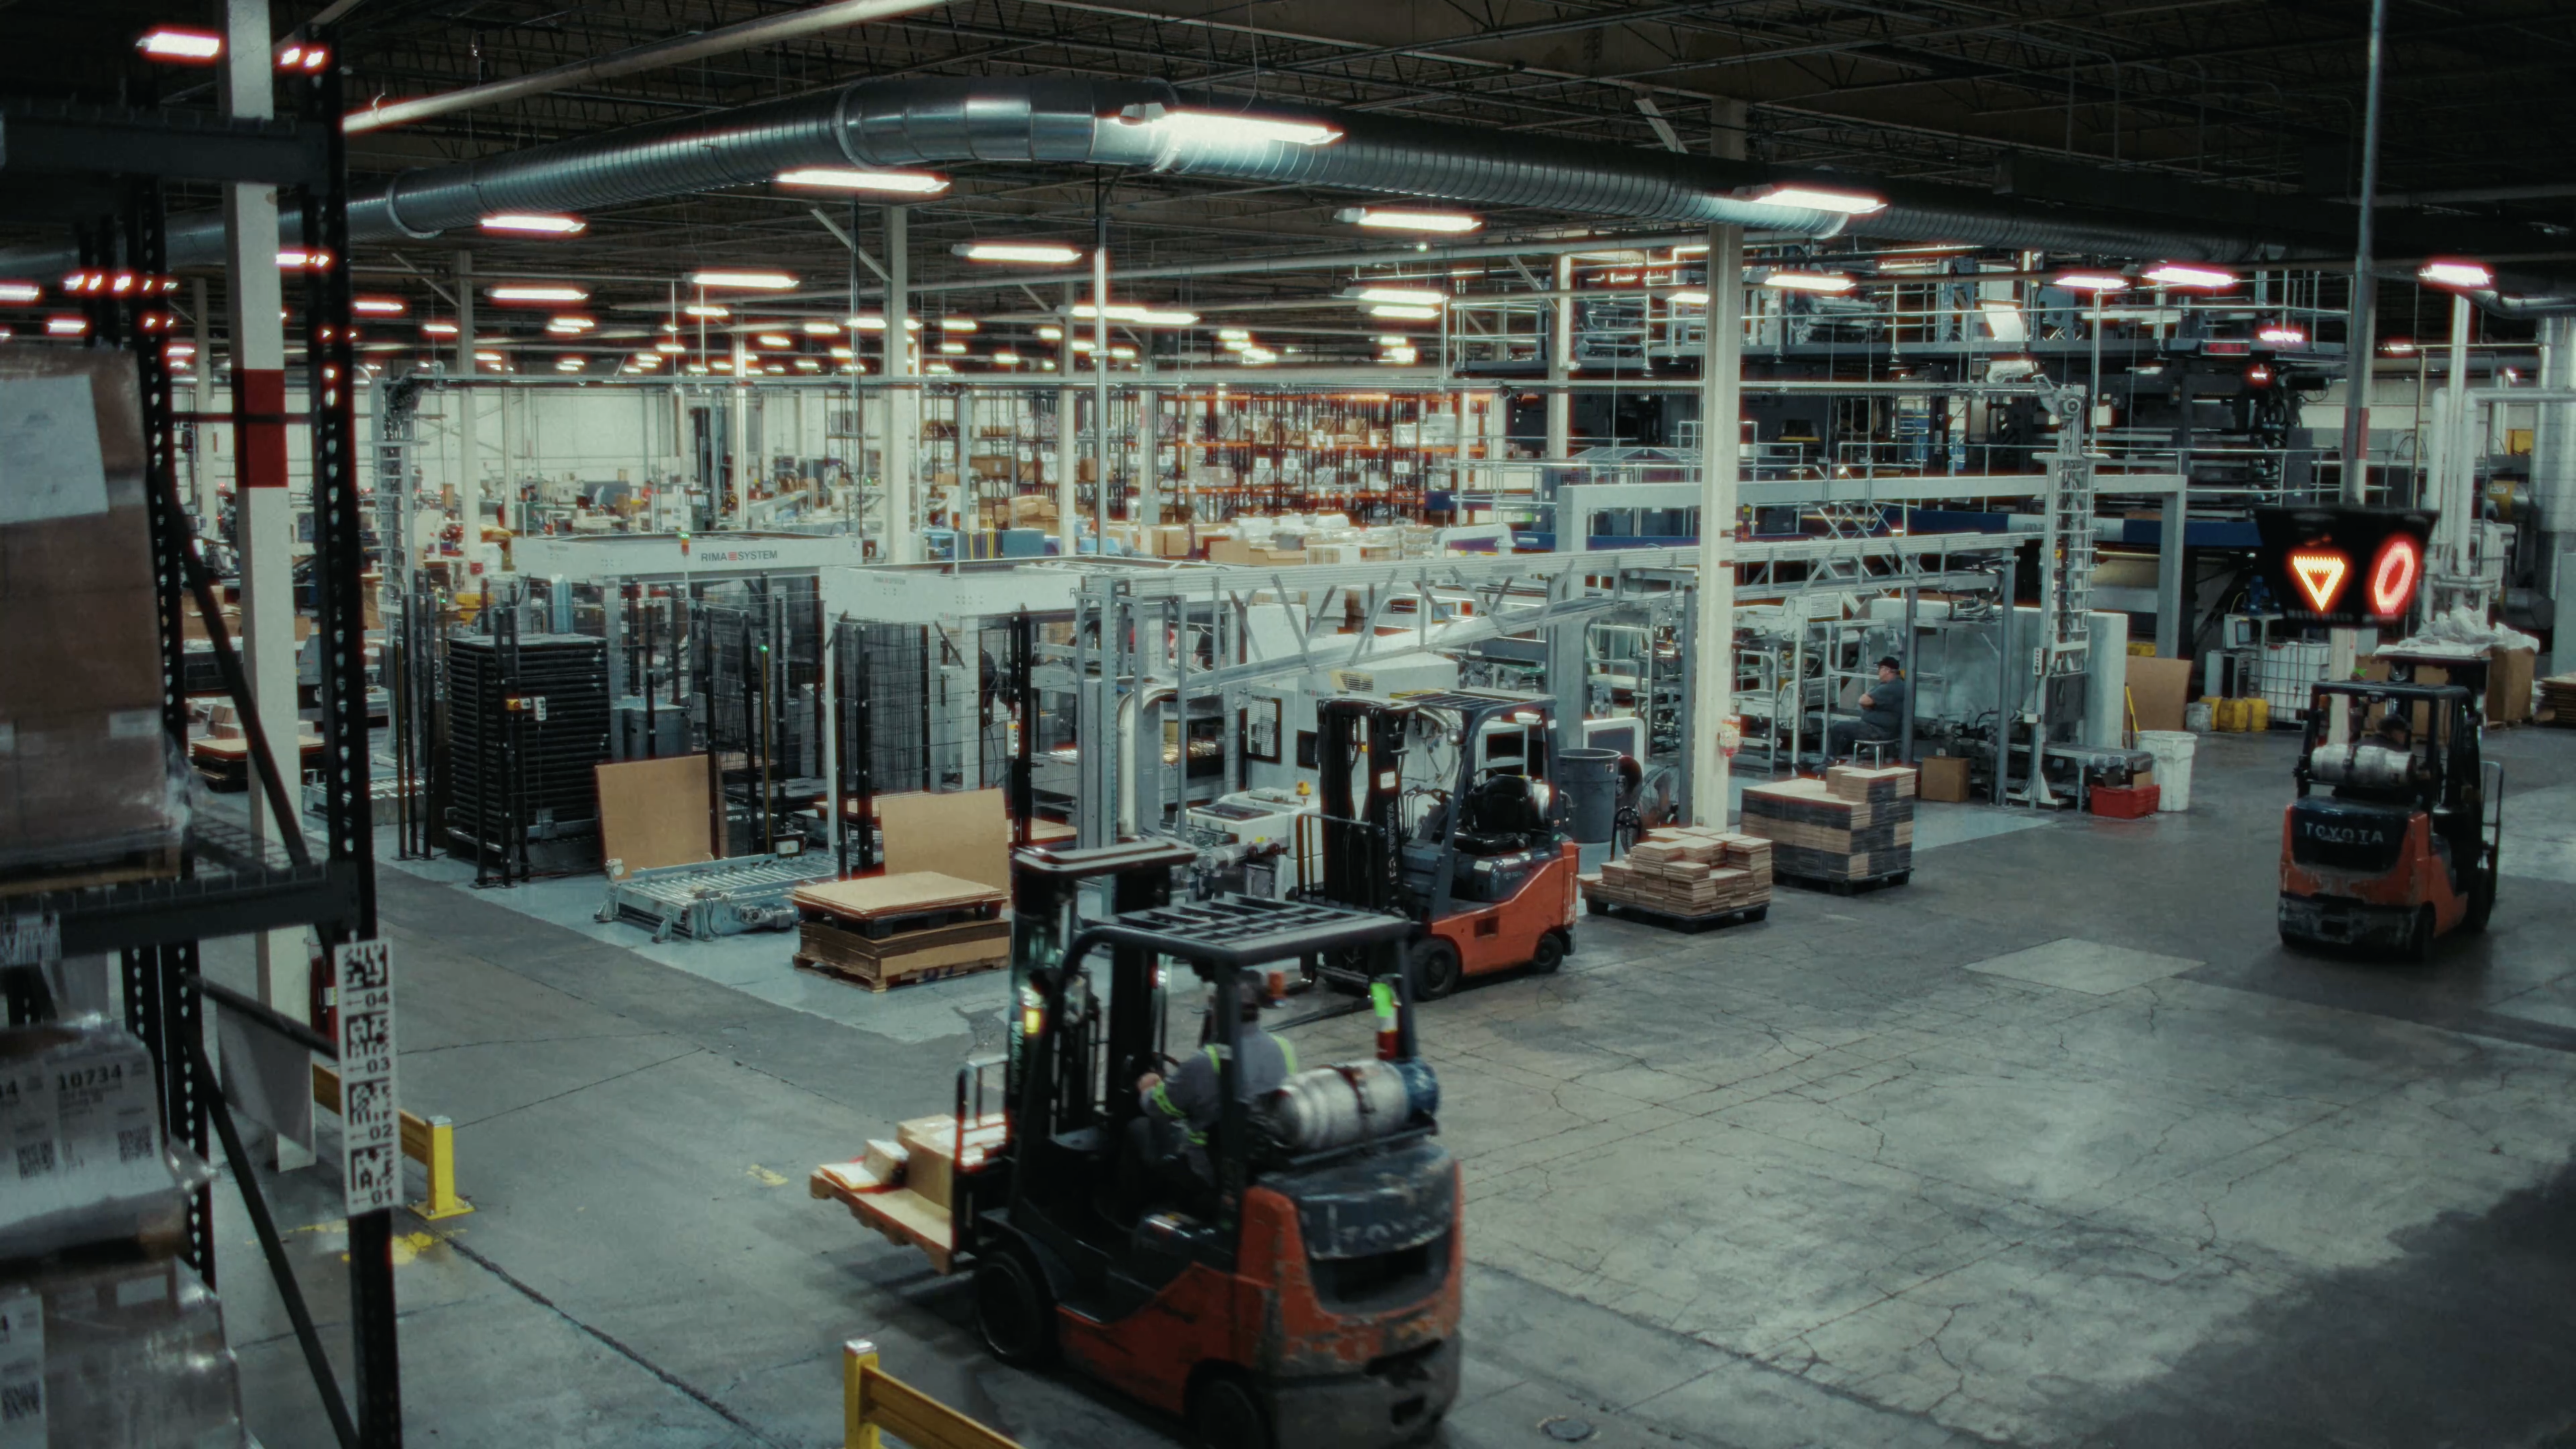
[1689,872]
[530,722]
[1853,825]
[895,930]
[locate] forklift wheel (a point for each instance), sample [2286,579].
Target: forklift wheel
[1549,955]
[1013,1310]
[1434,964]
[1226,1414]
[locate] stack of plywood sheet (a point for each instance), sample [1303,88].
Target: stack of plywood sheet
[1689,872]
[894,930]
[1853,825]
[2558,701]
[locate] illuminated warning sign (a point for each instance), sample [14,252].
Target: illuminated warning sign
[2319,575]
[2344,566]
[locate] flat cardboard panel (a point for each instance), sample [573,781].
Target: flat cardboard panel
[899,893]
[653,813]
[2158,689]
[964,833]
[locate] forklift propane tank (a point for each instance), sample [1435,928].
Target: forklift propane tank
[1339,1106]
[2362,765]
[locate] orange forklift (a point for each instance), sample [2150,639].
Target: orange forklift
[1305,1293]
[2403,849]
[1436,807]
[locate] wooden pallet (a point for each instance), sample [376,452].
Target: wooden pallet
[889,980]
[1845,886]
[1689,925]
[124,870]
[881,906]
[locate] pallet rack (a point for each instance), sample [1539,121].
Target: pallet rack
[101,173]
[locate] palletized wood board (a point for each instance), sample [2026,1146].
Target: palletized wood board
[905,951]
[894,895]
[653,813]
[961,833]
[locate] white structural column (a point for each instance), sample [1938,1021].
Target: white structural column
[738,431]
[1068,498]
[469,448]
[1721,390]
[1100,390]
[1149,482]
[267,516]
[903,399]
[2454,472]
[513,516]
[1560,361]
[210,501]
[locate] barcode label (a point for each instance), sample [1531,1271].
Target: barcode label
[35,1159]
[133,1144]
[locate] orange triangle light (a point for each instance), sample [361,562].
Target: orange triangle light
[2320,573]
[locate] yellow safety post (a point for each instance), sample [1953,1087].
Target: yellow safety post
[875,1403]
[429,1141]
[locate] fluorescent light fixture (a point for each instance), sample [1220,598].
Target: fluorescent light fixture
[487,357]
[180,349]
[537,294]
[1046,254]
[2281,334]
[699,369]
[822,329]
[1401,313]
[296,258]
[1819,198]
[2453,272]
[1082,344]
[708,310]
[841,178]
[439,329]
[169,42]
[1393,219]
[21,292]
[1051,334]
[2092,282]
[1394,339]
[957,324]
[365,306]
[1234,344]
[807,364]
[1122,352]
[745,281]
[534,223]
[670,347]
[1687,297]
[953,349]
[1232,334]
[297,55]
[1808,281]
[1139,316]
[940,369]
[1226,128]
[568,364]
[775,339]
[1257,356]
[2183,274]
[1399,355]
[1006,358]
[2398,347]
[1406,296]
[569,323]
[842,354]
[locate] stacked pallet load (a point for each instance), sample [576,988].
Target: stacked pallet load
[1686,875]
[1852,826]
[2558,701]
[905,1189]
[898,930]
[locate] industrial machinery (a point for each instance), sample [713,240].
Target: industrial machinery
[1436,807]
[2404,849]
[1308,1291]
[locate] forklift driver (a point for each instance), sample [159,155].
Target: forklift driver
[1166,1146]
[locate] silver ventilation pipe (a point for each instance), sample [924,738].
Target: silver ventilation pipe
[937,122]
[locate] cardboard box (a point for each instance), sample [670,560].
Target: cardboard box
[2509,674]
[2158,690]
[1945,779]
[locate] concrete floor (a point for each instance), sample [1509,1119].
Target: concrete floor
[2054,1146]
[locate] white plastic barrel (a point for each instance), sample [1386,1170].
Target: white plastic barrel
[2173,750]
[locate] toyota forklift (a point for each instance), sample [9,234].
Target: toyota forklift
[1307,1290]
[1436,807]
[2401,848]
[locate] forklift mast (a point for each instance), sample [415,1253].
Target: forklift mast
[1362,830]
[1046,912]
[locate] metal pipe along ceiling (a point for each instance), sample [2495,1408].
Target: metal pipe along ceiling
[935,122]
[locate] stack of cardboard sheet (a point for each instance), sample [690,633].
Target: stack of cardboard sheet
[2558,701]
[894,930]
[905,1188]
[1852,825]
[1688,871]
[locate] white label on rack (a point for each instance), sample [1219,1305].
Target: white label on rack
[371,1172]
[31,940]
[22,1369]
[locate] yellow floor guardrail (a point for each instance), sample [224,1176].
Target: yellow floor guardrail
[429,1141]
[875,1403]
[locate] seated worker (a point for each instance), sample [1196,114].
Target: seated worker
[1882,713]
[1167,1139]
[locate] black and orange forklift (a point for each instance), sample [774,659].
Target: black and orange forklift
[1305,1291]
[2392,840]
[1436,807]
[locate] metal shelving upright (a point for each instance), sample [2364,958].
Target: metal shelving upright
[100,173]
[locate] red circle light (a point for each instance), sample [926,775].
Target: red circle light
[2394,573]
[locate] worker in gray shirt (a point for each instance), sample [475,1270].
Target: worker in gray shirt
[1882,713]
[1175,1114]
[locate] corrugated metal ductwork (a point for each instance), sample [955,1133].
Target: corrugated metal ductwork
[939,122]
